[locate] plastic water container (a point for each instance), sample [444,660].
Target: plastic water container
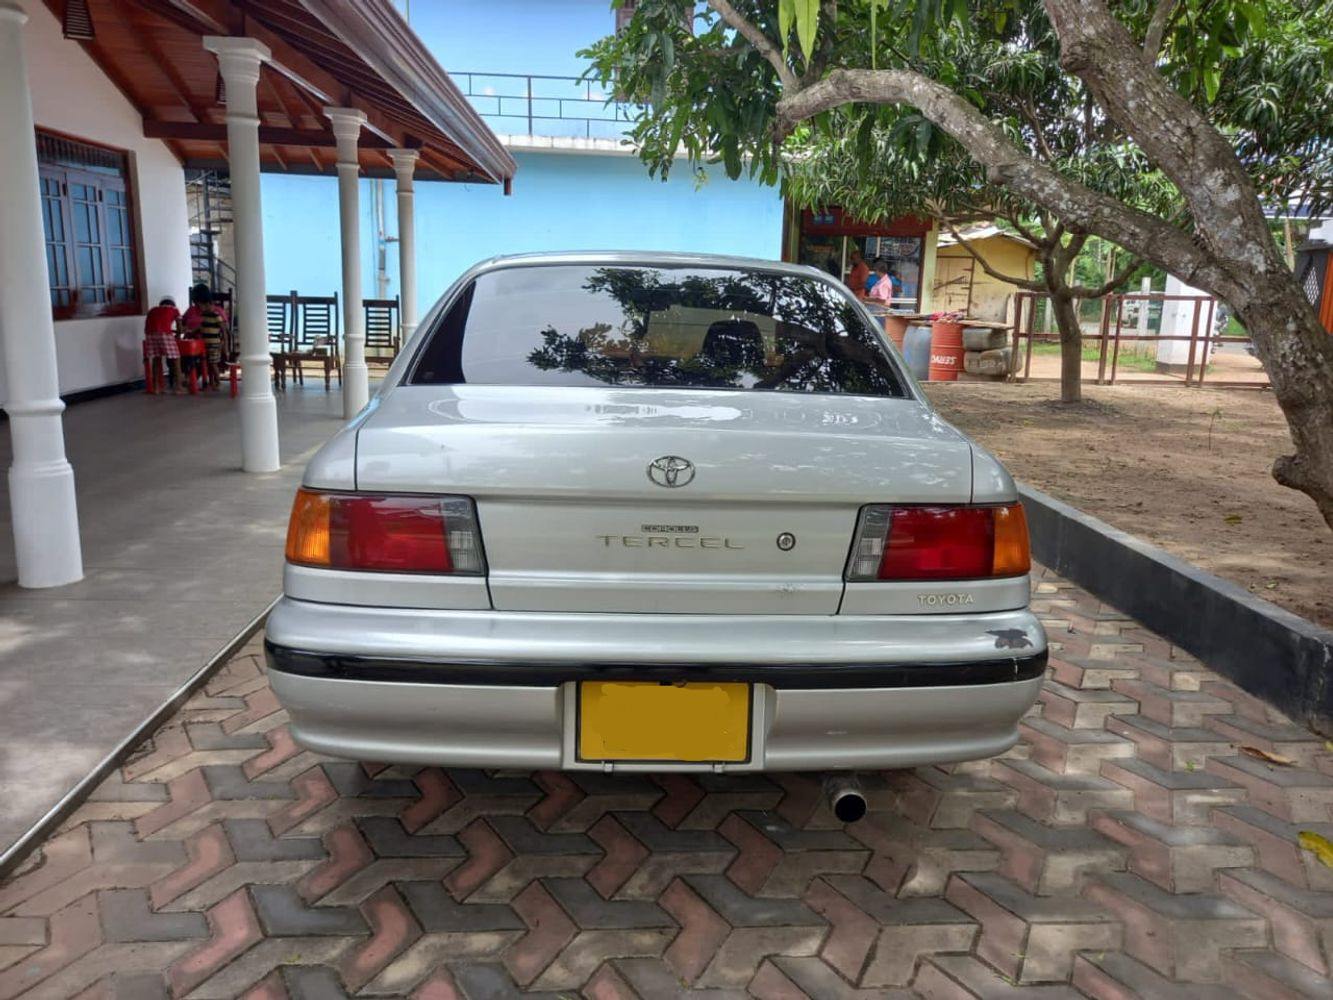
[916,351]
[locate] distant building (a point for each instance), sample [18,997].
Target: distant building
[825,238]
[962,285]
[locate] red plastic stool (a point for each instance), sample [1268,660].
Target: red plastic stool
[193,349]
[233,373]
[150,385]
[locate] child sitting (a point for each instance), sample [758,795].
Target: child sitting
[160,329]
[208,320]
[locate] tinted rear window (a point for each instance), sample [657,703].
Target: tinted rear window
[656,327]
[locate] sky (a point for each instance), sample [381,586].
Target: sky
[513,36]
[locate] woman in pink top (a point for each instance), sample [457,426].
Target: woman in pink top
[883,288]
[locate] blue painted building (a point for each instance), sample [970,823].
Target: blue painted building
[577,187]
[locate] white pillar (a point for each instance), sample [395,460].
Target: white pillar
[1178,321]
[41,480]
[404,165]
[239,60]
[347,124]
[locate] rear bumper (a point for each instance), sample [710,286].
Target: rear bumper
[499,690]
[533,727]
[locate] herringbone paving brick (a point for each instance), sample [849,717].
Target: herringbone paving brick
[1128,846]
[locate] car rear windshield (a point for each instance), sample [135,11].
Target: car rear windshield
[663,327]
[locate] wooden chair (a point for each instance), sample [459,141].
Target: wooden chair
[281,321]
[224,299]
[316,337]
[383,334]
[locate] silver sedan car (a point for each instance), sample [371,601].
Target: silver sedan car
[655,512]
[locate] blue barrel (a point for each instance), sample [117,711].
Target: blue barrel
[916,351]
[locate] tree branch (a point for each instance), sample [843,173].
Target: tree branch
[1026,233]
[1084,292]
[1030,114]
[761,42]
[1061,259]
[1196,157]
[1007,165]
[1162,16]
[1025,283]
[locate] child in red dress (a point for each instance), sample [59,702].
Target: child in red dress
[160,329]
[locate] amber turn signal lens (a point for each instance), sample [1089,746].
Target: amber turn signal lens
[1012,553]
[308,531]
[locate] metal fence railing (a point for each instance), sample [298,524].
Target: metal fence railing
[1131,322]
[552,106]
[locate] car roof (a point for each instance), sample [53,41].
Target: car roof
[645,258]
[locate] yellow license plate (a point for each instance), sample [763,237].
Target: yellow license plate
[647,721]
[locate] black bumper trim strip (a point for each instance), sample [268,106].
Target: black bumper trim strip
[335,666]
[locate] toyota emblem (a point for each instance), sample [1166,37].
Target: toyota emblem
[671,471]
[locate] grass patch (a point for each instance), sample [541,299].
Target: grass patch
[1092,351]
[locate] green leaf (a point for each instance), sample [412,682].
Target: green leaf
[807,26]
[923,133]
[865,136]
[874,34]
[920,21]
[786,18]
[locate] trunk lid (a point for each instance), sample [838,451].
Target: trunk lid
[574,519]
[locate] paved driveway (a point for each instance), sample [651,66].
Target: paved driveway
[1126,848]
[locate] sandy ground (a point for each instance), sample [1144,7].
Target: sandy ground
[1229,364]
[1186,469]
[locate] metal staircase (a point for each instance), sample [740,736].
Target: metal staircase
[208,194]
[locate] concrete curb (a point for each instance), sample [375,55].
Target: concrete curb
[62,810]
[1269,652]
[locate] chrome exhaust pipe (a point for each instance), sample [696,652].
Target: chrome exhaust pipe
[845,798]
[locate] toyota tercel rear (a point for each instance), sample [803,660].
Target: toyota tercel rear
[654,512]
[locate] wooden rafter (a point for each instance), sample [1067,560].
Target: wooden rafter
[305,72]
[178,16]
[143,35]
[270,82]
[212,17]
[268,135]
[305,97]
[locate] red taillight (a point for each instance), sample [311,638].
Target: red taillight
[393,534]
[389,533]
[939,543]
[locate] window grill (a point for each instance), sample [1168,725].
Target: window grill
[60,150]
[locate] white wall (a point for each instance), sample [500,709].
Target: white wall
[71,95]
